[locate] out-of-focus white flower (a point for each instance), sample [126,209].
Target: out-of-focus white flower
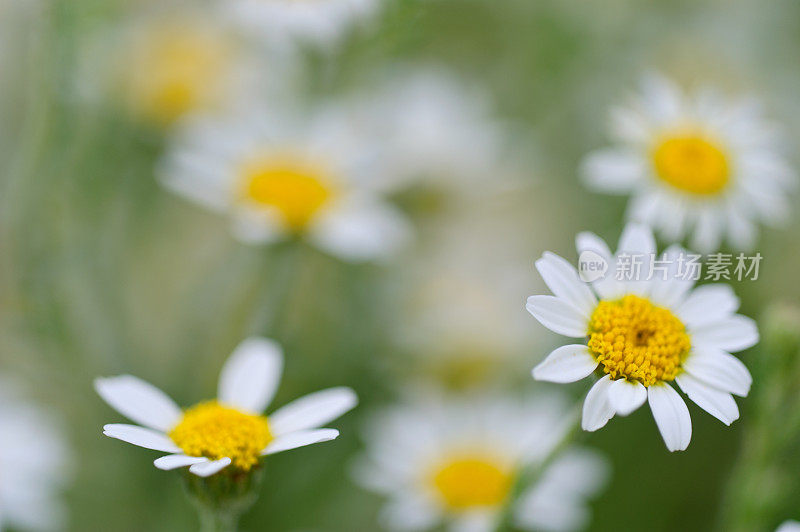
[703,165]
[278,176]
[455,461]
[437,131]
[163,66]
[643,334]
[457,300]
[34,464]
[789,526]
[287,23]
[230,431]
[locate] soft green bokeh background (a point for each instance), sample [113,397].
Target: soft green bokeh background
[104,272]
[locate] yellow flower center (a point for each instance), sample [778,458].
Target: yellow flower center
[692,163]
[215,431]
[637,340]
[174,69]
[297,189]
[471,482]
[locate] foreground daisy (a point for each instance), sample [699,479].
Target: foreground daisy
[231,431]
[280,176]
[641,336]
[33,464]
[696,164]
[456,461]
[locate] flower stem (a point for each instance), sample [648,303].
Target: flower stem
[222,499]
[531,473]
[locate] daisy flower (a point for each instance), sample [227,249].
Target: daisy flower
[455,462]
[230,431]
[168,65]
[287,176]
[641,335]
[34,460]
[700,165]
[286,23]
[789,526]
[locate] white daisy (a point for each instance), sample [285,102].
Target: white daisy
[228,431]
[455,462]
[282,176]
[286,23]
[34,459]
[642,335]
[703,165]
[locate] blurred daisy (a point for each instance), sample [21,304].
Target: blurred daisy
[169,65]
[279,177]
[789,526]
[437,131]
[641,335]
[455,462]
[284,23]
[702,165]
[230,431]
[33,465]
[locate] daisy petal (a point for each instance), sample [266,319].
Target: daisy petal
[174,461]
[637,239]
[597,409]
[206,469]
[716,402]
[607,286]
[671,415]
[139,401]
[568,363]
[312,410]
[613,170]
[300,439]
[251,375]
[558,316]
[147,438]
[731,334]
[626,396]
[719,369]
[562,279]
[707,304]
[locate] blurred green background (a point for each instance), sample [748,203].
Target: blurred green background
[102,271]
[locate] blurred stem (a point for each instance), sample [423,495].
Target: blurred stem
[223,498]
[216,521]
[763,486]
[530,474]
[273,304]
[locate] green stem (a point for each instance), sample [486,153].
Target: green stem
[531,473]
[218,521]
[272,305]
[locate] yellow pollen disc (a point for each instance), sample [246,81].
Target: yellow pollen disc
[173,70]
[296,188]
[637,340]
[215,431]
[472,482]
[692,164]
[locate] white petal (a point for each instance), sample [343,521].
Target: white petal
[707,232]
[139,401]
[668,287]
[719,369]
[732,334]
[300,439]
[626,396]
[568,363]
[588,241]
[597,409]
[206,469]
[562,279]
[313,410]
[613,170]
[174,461]
[637,239]
[361,230]
[671,415]
[147,438]
[558,316]
[251,375]
[716,402]
[707,304]
[409,512]
[789,526]
[607,286]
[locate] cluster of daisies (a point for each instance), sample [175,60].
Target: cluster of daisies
[242,143]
